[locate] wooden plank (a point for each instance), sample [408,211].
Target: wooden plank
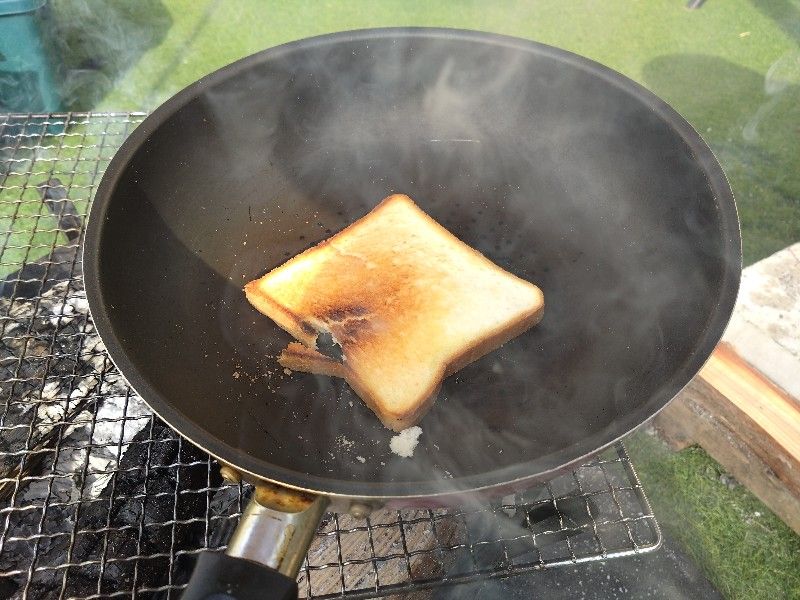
[674,425]
[746,424]
[774,411]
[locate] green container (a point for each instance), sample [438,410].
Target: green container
[26,76]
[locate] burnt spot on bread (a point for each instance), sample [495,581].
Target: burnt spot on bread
[337,314]
[352,327]
[307,328]
[327,346]
[347,322]
[343,313]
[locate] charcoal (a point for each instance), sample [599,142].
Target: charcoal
[63,263]
[61,391]
[37,277]
[227,501]
[54,195]
[131,500]
[47,377]
[89,477]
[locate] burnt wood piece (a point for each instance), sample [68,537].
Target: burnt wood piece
[132,508]
[63,263]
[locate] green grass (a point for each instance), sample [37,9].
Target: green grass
[744,549]
[27,229]
[731,68]
[711,64]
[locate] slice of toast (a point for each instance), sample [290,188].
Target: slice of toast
[404,302]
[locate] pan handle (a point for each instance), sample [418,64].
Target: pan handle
[265,552]
[218,576]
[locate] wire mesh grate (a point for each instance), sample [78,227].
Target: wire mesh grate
[598,511]
[99,499]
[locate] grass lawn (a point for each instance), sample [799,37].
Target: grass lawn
[743,548]
[732,68]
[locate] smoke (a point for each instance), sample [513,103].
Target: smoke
[782,76]
[94,43]
[550,170]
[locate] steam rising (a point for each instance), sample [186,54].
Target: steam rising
[782,76]
[95,42]
[551,171]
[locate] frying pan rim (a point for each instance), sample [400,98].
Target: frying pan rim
[518,474]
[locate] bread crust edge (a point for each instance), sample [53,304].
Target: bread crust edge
[308,360]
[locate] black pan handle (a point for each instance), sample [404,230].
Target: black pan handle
[218,576]
[265,552]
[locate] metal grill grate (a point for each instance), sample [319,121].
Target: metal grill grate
[100,499]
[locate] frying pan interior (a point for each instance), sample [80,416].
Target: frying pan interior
[556,168]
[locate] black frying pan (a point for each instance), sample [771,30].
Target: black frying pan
[556,168]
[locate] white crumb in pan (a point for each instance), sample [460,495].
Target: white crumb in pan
[403,443]
[343,442]
[361,459]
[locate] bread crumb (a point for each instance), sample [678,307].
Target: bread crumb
[287,371]
[361,459]
[343,442]
[403,443]
[236,374]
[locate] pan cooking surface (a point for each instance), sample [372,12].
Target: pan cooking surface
[555,168]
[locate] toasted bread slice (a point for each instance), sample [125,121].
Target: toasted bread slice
[405,301]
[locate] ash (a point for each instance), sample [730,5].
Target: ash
[96,495]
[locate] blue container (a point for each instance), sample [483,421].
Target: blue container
[26,76]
